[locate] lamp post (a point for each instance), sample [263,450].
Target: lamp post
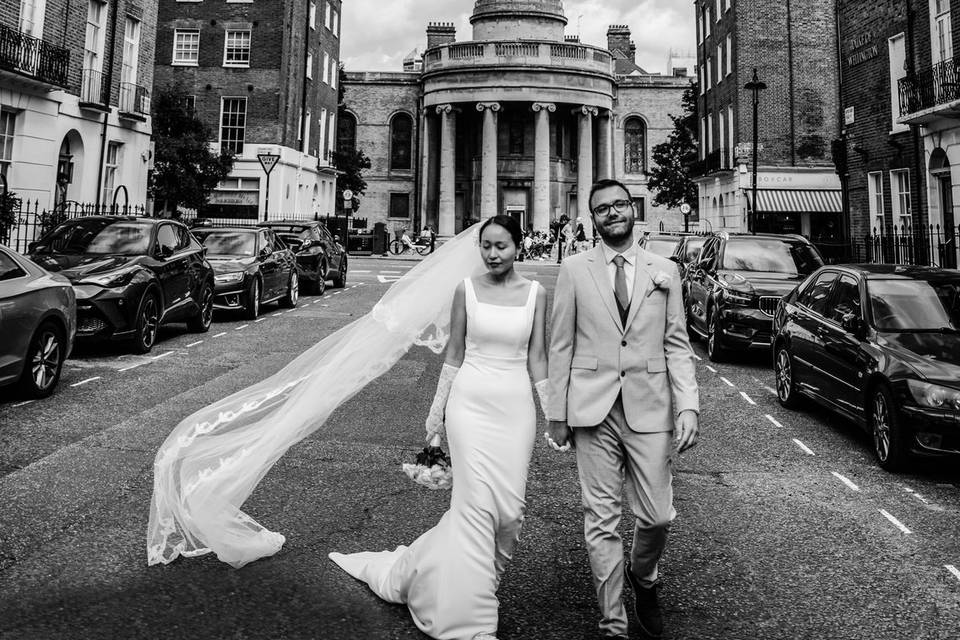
[756,86]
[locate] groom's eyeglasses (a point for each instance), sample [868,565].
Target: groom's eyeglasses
[604,209]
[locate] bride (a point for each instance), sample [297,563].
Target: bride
[448,577]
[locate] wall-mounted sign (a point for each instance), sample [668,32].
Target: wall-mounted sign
[848,115]
[861,48]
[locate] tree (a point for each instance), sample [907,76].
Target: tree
[673,159]
[350,162]
[9,210]
[185,171]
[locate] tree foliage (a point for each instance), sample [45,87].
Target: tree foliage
[349,162]
[673,159]
[185,171]
[9,208]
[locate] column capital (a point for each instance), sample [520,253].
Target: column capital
[537,107]
[586,110]
[493,106]
[447,108]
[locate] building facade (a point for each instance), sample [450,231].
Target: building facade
[793,48]
[263,76]
[75,81]
[521,119]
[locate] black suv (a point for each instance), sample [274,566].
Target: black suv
[320,257]
[735,286]
[130,275]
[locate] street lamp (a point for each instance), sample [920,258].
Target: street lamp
[756,86]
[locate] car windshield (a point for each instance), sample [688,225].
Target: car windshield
[99,236]
[915,305]
[771,255]
[692,248]
[295,239]
[661,246]
[228,243]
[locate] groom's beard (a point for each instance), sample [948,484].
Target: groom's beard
[615,237]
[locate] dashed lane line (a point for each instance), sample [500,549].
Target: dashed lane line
[222,333]
[278,313]
[774,421]
[353,271]
[133,366]
[728,383]
[193,344]
[845,480]
[916,495]
[696,357]
[770,390]
[807,450]
[952,569]
[896,523]
[711,369]
[384,272]
[163,355]
[82,382]
[23,404]
[748,398]
[243,326]
[259,320]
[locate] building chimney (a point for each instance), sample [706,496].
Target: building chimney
[439,33]
[618,37]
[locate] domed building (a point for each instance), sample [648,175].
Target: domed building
[521,119]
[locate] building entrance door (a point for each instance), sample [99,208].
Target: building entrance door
[948,243]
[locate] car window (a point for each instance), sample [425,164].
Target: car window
[265,241]
[9,269]
[104,236]
[709,251]
[771,255]
[315,233]
[817,293]
[846,299]
[914,304]
[183,238]
[228,243]
[660,247]
[167,237]
[691,249]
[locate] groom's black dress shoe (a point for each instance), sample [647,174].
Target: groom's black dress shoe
[646,607]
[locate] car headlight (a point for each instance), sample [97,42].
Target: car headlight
[737,297]
[109,280]
[233,276]
[934,395]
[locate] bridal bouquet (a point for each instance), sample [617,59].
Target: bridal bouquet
[432,469]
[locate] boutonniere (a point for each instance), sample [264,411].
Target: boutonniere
[660,281]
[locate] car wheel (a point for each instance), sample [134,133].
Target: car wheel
[340,280]
[44,361]
[888,445]
[148,323]
[293,291]
[688,317]
[251,305]
[320,284]
[786,378]
[201,322]
[715,350]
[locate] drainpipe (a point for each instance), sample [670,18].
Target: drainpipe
[919,169]
[846,224]
[793,127]
[106,115]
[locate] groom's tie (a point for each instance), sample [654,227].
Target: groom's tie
[620,289]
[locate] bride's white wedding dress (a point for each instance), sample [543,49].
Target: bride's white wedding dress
[448,577]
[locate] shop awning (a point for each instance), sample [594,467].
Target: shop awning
[797,200]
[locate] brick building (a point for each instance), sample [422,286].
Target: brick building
[792,46]
[75,82]
[521,119]
[263,76]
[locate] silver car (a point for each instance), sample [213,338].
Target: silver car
[38,321]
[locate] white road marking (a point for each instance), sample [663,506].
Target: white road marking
[162,355]
[139,364]
[243,326]
[336,293]
[23,404]
[748,398]
[360,284]
[77,384]
[259,320]
[384,271]
[696,357]
[386,279]
[193,344]
[278,313]
[222,333]
[770,389]
[807,450]
[728,383]
[774,421]
[711,369]
[896,523]
[952,569]
[916,495]
[845,481]
[359,271]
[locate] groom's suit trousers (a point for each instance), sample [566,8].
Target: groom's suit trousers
[612,458]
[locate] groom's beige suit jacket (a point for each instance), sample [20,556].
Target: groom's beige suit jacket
[593,356]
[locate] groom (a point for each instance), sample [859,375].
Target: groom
[622,387]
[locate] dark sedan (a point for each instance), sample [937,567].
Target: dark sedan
[880,345]
[661,244]
[38,321]
[320,256]
[734,288]
[252,268]
[130,275]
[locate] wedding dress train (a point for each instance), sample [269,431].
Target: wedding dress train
[449,576]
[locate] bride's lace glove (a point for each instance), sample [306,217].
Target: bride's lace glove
[434,423]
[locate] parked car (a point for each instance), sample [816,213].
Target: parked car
[660,244]
[38,321]
[736,284]
[130,275]
[320,256]
[879,345]
[684,254]
[252,267]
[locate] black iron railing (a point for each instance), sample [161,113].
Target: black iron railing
[33,57]
[931,86]
[716,160]
[134,99]
[94,88]
[933,245]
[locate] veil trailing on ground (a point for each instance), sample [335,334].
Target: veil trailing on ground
[214,459]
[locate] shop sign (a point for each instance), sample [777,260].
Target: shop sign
[247,198]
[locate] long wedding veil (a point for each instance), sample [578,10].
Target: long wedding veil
[213,460]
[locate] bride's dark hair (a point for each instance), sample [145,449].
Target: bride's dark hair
[507,222]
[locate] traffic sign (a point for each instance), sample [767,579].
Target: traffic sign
[685,209]
[347,194]
[268,161]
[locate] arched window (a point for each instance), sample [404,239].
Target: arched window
[634,146]
[347,133]
[401,138]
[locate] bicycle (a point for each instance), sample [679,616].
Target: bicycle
[398,247]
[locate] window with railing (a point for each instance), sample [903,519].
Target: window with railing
[941,35]
[32,13]
[900,196]
[8,122]
[110,166]
[875,196]
[186,46]
[131,51]
[93,43]
[233,124]
[236,48]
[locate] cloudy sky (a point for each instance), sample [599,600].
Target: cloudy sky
[377,34]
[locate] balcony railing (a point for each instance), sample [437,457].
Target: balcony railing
[32,57]
[930,87]
[716,160]
[94,89]
[476,55]
[134,99]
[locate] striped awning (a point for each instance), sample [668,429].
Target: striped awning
[797,200]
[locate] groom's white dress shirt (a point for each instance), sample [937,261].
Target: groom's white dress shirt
[629,266]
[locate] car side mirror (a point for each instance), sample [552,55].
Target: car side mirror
[852,324]
[32,247]
[675,259]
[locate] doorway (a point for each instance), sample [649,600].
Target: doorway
[948,245]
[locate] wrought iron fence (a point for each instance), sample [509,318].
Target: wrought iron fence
[93,88]
[32,221]
[134,99]
[930,86]
[932,245]
[33,57]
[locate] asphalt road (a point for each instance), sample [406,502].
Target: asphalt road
[786,528]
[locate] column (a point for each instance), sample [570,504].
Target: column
[488,162]
[541,165]
[447,206]
[605,145]
[425,154]
[585,165]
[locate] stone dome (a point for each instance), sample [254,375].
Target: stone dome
[518,19]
